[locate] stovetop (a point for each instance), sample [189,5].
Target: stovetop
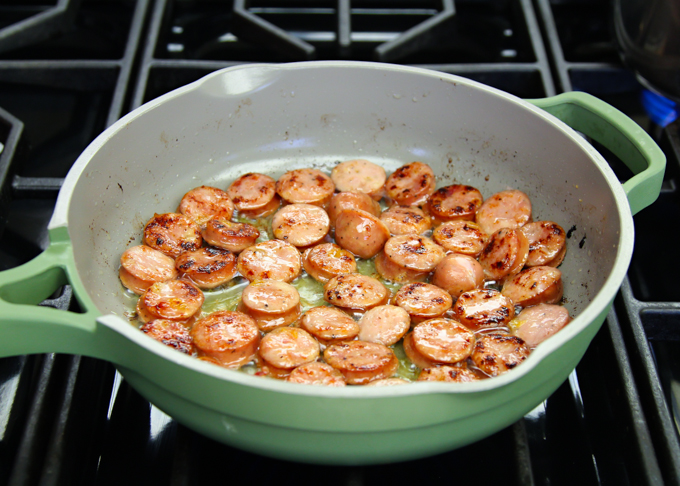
[70,69]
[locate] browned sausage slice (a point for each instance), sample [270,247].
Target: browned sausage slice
[454,202]
[328,260]
[443,340]
[392,272]
[231,236]
[252,191]
[547,243]
[288,347]
[270,303]
[305,186]
[483,308]
[423,301]
[264,211]
[171,333]
[504,254]
[534,285]
[537,323]
[458,273]
[207,267]
[506,209]
[460,237]
[301,224]
[202,203]
[411,184]
[172,233]
[451,374]
[355,291]
[273,259]
[316,373]
[417,253]
[175,299]
[229,338]
[361,362]
[329,324]
[497,353]
[385,324]
[141,266]
[405,220]
[351,200]
[359,175]
[360,232]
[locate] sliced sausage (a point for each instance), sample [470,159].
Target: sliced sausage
[506,209]
[252,191]
[207,267]
[175,299]
[454,202]
[172,233]
[460,237]
[355,291]
[171,333]
[483,308]
[504,255]
[423,301]
[385,324]
[496,353]
[316,373]
[361,362]
[264,211]
[458,273]
[414,252]
[359,175]
[305,186]
[415,356]
[360,232]
[351,200]
[392,272]
[534,285]
[288,347]
[202,203]
[231,236]
[411,184]
[141,266]
[450,374]
[537,323]
[230,338]
[406,220]
[388,382]
[270,303]
[301,224]
[273,259]
[547,243]
[328,260]
[443,340]
[329,324]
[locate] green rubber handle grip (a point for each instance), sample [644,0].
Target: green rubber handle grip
[625,138]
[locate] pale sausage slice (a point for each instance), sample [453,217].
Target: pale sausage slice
[414,252]
[328,260]
[288,347]
[360,232]
[172,233]
[361,362]
[264,211]
[443,340]
[351,200]
[229,338]
[415,356]
[547,243]
[301,224]
[497,353]
[359,175]
[141,266]
[392,272]
[202,203]
[273,259]
[175,299]
[207,267]
[270,303]
[329,324]
[305,186]
[385,324]
[454,202]
[450,374]
[406,220]
[506,209]
[388,382]
[504,255]
[423,301]
[171,333]
[252,191]
[535,285]
[458,273]
[537,323]
[460,237]
[355,291]
[483,308]
[411,184]
[228,235]
[316,373]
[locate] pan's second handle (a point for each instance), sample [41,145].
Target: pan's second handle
[625,138]
[25,327]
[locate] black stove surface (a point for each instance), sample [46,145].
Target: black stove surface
[70,69]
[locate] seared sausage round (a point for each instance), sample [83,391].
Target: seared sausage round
[537,323]
[316,373]
[361,362]
[458,273]
[175,299]
[385,324]
[417,253]
[392,272]
[359,175]
[497,353]
[355,291]
[534,285]
[329,324]
[270,303]
[547,243]
[360,232]
[252,191]
[506,209]
[228,235]
[141,266]
[504,254]
[305,186]
[351,200]
[288,347]
[301,224]
[229,338]
[207,267]
[411,184]
[463,237]
[423,301]
[171,333]
[328,260]
[273,259]
[406,220]
[443,340]
[454,202]
[202,203]
[172,233]
[483,308]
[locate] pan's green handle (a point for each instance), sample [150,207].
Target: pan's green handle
[25,327]
[625,138]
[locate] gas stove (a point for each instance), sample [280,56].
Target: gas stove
[69,69]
